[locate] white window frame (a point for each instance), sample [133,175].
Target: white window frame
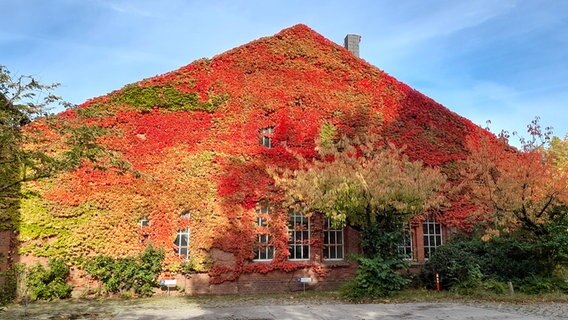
[144,222]
[407,245]
[292,235]
[263,240]
[429,230]
[178,242]
[266,137]
[338,246]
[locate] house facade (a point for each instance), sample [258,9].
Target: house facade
[198,143]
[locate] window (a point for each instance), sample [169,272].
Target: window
[144,222]
[264,249]
[405,248]
[432,236]
[185,215]
[299,236]
[332,241]
[266,137]
[182,243]
[182,238]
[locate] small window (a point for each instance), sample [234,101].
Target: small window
[264,248]
[332,241]
[299,236]
[182,243]
[185,215]
[266,137]
[405,247]
[432,236]
[144,222]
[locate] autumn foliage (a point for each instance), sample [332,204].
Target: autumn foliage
[191,139]
[515,189]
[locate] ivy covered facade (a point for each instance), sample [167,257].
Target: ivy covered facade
[199,140]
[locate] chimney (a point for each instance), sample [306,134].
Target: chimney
[351,43]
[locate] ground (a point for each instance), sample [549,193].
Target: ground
[280,307]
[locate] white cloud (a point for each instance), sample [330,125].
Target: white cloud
[451,17]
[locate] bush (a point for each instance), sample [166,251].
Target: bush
[122,275]
[376,278]
[49,283]
[472,263]
[457,265]
[495,286]
[512,259]
[9,284]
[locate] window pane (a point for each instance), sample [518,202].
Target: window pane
[176,241]
[183,240]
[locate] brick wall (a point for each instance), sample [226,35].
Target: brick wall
[7,243]
[273,282]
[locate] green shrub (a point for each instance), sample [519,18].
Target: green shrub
[8,284]
[49,283]
[495,286]
[461,261]
[457,265]
[121,275]
[512,259]
[536,285]
[376,278]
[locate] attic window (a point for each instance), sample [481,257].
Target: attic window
[185,215]
[144,222]
[266,136]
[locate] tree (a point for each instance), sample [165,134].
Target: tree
[368,187]
[22,99]
[517,188]
[26,151]
[558,150]
[373,188]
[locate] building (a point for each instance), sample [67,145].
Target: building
[199,140]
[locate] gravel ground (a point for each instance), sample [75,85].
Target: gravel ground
[548,310]
[278,308]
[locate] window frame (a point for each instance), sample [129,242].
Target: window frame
[179,247]
[407,243]
[266,137]
[144,222]
[328,230]
[185,215]
[292,232]
[264,240]
[429,249]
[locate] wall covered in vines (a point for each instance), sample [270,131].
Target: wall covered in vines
[191,137]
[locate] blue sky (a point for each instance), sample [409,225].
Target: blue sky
[499,60]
